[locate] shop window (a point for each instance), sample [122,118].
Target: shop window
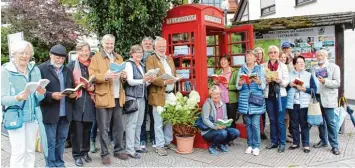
[267,7]
[215,3]
[302,2]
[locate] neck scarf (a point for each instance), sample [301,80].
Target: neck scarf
[273,67]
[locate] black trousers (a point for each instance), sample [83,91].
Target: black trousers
[80,138]
[232,112]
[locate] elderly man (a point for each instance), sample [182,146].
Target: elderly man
[56,107]
[109,98]
[147,44]
[327,95]
[158,91]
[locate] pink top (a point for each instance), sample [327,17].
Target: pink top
[225,94]
[219,114]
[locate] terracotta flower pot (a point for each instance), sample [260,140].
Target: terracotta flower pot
[185,145]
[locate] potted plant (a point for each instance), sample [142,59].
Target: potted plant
[181,112]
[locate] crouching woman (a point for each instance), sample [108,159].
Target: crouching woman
[212,110]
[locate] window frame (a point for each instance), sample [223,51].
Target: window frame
[212,4]
[268,7]
[297,3]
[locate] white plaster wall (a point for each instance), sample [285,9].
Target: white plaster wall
[349,69]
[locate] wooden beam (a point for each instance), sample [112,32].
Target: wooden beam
[339,53]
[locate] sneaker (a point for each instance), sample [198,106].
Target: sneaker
[161,151]
[141,150]
[92,147]
[248,150]
[134,156]
[212,149]
[122,156]
[153,144]
[223,148]
[106,160]
[143,144]
[256,151]
[170,146]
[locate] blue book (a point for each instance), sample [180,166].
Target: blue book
[322,72]
[117,67]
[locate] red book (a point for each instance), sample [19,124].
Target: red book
[246,78]
[298,81]
[221,79]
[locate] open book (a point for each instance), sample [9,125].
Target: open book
[32,86]
[152,72]
[298,81]
[221,79]
[117,67]
[89,82]
[226,123]
[322,72]
[69,91]
[168,77]
[271,74]
[247,78]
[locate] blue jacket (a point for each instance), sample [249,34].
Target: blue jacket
[305,97]
[13,83]
[244,106]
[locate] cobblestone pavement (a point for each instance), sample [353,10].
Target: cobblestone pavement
[234,158]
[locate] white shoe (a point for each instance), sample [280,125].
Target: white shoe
[256,151]
[248,150]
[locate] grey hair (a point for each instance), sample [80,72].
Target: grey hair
[135,48]
[147,38]
[259,49]
[322,52]
[214,88]
[82,44]
[273,47]
[20,47]
[107,37]
[157,38]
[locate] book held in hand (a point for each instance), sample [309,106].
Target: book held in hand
[117,67]
[226,123]
[32,86]
[152,72]
[298,81]
[248,78]
[220,78]
[168,77]
[322,72]
[70,91]
[89,82]
[271,74]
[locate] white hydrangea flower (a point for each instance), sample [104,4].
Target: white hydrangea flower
[160,109]
[194,96]
[179,96]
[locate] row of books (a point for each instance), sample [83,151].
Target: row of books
[185,86]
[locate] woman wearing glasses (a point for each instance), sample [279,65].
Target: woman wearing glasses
[276,98]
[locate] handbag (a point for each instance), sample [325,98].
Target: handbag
[200,124]
[255,99]
[314,115]
[130,106]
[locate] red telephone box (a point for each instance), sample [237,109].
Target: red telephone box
[196,38]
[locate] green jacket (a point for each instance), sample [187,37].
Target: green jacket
[233,92]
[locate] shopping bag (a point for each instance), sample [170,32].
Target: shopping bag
[39,147]
[340,112]
[314,115]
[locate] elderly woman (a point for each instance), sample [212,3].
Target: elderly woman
[276,97]
[298,99]
[84,107]
[15,75]
[229,92]
[260,56]
[217,135]
[251,111]
[136,89]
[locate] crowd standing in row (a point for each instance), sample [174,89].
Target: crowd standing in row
[103,103]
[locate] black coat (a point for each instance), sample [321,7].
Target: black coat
[84,107]
[50,107]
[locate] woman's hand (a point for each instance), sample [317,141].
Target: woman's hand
[41,91]
[219,127]
[300,88]
[72,96]
[91,88]
[240,82]
[22,96]
[257,80]
[293,84]
[268,80]
[277,80]
[215,81]
[226,85]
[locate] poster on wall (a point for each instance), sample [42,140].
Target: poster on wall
[305,41]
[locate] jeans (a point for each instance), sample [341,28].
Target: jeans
[277,120]
[224,136]
[103,118]
[22,142]
[80,138]
[93,131]
[133,127]
[163,133]
[253,130]
[298,116]
[232,112]
[327,131]
[148,111]
[56,136]
[263,116]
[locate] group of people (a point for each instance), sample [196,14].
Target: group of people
[285,101]
[108,102]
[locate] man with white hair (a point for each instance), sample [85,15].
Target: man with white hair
[158,91]
[109,98]
[328,75]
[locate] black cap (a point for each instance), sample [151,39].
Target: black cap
[59,50]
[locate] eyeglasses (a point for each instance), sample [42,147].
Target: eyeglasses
[273,52]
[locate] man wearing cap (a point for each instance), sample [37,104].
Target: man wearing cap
[286,48]
[109,99]
[56,107]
